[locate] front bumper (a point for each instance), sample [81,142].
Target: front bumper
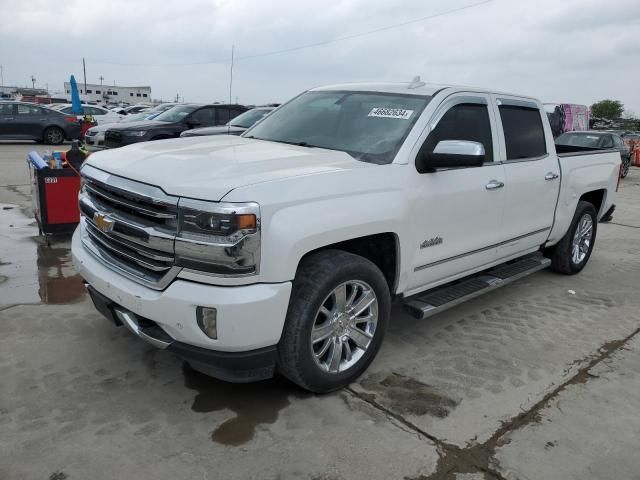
[250,318]
[117,138]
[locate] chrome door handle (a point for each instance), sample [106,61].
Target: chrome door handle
[493,185]
[551,176]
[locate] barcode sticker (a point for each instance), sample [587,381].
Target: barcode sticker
[383,112]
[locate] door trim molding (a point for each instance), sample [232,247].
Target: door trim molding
[483,249]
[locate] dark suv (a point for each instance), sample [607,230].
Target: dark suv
[28,121]
[172,123]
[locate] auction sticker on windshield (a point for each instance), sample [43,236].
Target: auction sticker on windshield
[399,113]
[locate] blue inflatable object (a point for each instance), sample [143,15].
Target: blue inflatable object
[76,106]
[36,160]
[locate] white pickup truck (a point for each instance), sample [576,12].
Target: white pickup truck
[282,250]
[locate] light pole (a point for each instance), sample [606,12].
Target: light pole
[33,81]
[101,79]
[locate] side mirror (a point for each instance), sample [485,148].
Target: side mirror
[451,154]
[193,124]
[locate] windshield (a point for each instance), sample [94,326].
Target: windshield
[581,140]
[368,126]
[249,118]
[176,113]
[135,117]
[163,107]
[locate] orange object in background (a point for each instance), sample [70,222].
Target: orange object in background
[636,160]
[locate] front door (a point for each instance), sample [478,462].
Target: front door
[532,176]
[457,212]
[29,121]
[7,117]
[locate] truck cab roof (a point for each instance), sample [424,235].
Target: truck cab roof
[413,88]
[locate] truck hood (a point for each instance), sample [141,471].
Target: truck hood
[208,168]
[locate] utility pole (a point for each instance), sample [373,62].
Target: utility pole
[33,81]
[231,74]
[101,79]
[84,70]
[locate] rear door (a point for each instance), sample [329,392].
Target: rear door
[457,212]
[532,175]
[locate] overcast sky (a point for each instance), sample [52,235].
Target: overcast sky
[575,51]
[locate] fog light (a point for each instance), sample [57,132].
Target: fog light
[207,321]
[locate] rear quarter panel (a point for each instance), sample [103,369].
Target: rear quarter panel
[581,174]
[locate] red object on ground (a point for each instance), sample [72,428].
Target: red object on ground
[61,197]
[55,203]
[84,126]
[636,161]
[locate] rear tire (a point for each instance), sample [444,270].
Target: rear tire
[53,136]
[322,317]
[572,253]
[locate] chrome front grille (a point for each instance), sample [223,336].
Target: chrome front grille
[130,227]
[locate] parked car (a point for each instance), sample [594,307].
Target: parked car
[591,139]
[100,115]
[28,121]
[172,123]
[283,248]
[236,126]
[94,138]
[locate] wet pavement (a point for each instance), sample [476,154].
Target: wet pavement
[538,380]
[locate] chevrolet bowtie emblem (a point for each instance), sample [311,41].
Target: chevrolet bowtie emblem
[104,223]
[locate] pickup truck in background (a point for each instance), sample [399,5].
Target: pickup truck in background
[282,249]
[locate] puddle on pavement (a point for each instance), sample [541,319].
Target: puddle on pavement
[31,271]
[406,395]
[253,404]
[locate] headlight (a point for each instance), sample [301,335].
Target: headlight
[220,238]
[135,133]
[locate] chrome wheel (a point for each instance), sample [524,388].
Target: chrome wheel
[344,326]
[582,239]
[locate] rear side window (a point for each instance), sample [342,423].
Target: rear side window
[466,121]
[523,132]
[225,114]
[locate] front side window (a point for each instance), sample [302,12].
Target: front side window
[465,121]
[369,126]
[28,110]
[176,113]
[523,132]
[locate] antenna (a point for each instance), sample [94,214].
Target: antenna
[416,83]
[231,74]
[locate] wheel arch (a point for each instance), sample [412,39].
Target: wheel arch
[596,198]
[382,249]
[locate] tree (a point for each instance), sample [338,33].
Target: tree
[607,109]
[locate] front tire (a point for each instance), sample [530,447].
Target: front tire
[337,317]
[572,253]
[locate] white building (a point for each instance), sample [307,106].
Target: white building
[110,94]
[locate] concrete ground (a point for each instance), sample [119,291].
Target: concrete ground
[537,380]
